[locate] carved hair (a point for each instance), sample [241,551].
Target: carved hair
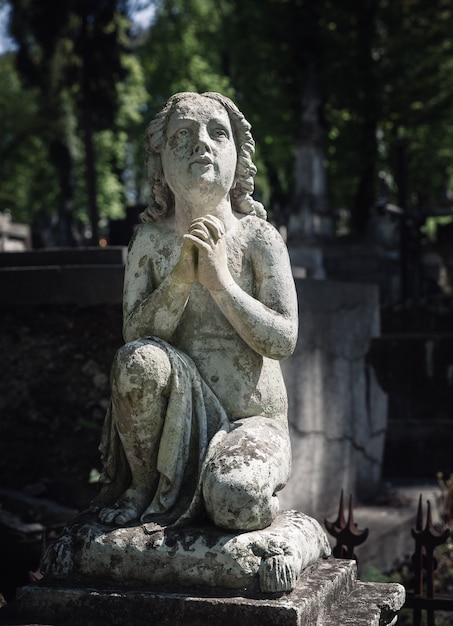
[161,202]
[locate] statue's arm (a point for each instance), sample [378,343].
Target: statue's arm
[148,308]
[266,321]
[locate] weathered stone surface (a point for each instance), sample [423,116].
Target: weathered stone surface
[337,410]
[198,417]
[322,596]
[369,604]
[270,559]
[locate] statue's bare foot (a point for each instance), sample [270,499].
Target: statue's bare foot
[128,508]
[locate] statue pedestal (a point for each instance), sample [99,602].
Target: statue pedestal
[268,560]
[327,593]
[140,575]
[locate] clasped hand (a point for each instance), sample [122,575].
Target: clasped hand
[203,255]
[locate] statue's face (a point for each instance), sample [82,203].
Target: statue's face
[199,150]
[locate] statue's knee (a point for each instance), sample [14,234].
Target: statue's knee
[140,365]
[237,504]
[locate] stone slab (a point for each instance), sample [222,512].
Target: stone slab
[115,255]
[318,590]
[83,285]
[369,604]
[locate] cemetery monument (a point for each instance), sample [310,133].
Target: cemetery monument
[195,446]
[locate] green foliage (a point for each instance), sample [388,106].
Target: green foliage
[82,91]
[417,85]
[30,181]
[432,224]
[371,574]
[179,54]
[27,178]
[446,487]
[232,47]
[94,476]
[398,83]
[383,70]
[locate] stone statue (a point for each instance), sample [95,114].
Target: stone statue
[197,429]
[209,309]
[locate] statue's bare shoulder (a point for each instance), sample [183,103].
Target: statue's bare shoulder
[268,253]
[261,236]
[152,252]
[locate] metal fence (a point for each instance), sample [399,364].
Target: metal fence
[427,538]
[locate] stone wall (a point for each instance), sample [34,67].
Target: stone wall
[337,410]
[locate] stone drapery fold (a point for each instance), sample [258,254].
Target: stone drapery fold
[195,423]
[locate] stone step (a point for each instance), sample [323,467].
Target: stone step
[320,588]
[390,540]
[369,604]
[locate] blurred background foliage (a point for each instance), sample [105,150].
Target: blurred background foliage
[84,77]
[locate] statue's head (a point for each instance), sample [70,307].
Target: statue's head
[161,203]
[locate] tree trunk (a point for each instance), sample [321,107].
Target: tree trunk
[369,97]
[90,175]
[60,156]
[90,160]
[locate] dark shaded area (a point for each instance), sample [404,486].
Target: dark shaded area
[413,360]
[54,388]
[121,230]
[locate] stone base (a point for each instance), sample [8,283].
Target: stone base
[269,560]
[327,593]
